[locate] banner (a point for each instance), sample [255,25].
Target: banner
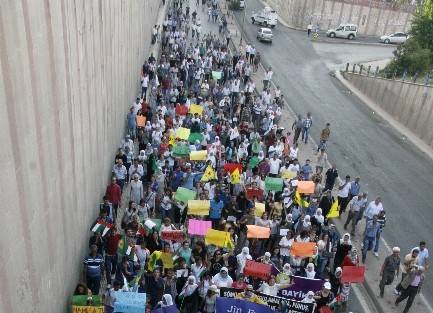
[181,150]
[82,300]
[288,174]
[166,309]
[257,269]
[195,108]
[259,209]
[271,301]
[303,249]
[274,183]
[254,193]
[300,287]
[175,235]
[230,305]
[198,207]
[183,133]
[183,194]
[258,232]
[197,227]
[129,302]
[87,309]
[200,155]
[353,274]
[306,187]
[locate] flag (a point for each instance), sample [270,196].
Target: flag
[209,174]
[300,201]
[254,161]
[136,279]
[154,257]
[235,177]
[122,246]
[102,228]
[333,212]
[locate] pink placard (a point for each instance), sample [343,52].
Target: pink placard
[197,227]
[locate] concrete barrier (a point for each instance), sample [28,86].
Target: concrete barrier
[68,73]
[408,103]
[372,17]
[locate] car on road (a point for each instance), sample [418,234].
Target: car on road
[265,34]
[348,31]
[242,4]
[394,38]
[267,17]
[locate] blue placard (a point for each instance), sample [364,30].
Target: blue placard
[129,302]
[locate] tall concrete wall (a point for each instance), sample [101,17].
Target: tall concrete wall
[372,20]
[68,72]
[409,104]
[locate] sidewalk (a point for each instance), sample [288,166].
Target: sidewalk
[369,290]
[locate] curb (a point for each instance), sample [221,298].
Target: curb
[349,42]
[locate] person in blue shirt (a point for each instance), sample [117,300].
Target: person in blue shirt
[93,269]
[216,207]
[355,187]
[131,122]
[371,233]
[307,169]
[177,178]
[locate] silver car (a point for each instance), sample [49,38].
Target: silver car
[265,34]
[394,38]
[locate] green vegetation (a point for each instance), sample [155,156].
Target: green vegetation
[416,54]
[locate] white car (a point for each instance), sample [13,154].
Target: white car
[265,34]
[348,31]
[267,17]
[242,4]
[394,38]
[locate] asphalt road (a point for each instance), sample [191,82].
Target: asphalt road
[361,142]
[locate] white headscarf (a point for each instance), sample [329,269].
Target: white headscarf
[287,269]
[189,289]
[167,300]
[306,223]
[312,273]
[319,217]
[348,241]
[308,298]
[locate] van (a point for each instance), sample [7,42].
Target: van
[267,17]
[348,31]
[265,34]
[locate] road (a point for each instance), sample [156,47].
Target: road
[361,142]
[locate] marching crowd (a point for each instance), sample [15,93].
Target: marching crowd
[200,96]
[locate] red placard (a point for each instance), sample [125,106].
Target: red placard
[175,235]
[254,192]
[325,309]
[353,274]
[181,109]
[230,167]
[256,269]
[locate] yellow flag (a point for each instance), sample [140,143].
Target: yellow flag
[195,108]
[198,207]
[228,243]
[333,212]
[171,139]
[217,238]
[299,201]
[259,209]
[236,177]
[167,259]
[209,174]
[183,133]
[288,174]
[198,155]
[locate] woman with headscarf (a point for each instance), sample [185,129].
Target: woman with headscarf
[343,247]
[167,300]
[335,280]
[189,297]
[324,247]
[142,156]
[241,259]
[309,271]
[136,192]
[284,277]
[222,279]
[352,259]
[309,298]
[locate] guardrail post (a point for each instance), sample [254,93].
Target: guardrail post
[377,71]
[360,69]
[353,68]
[347,67]
[368,70]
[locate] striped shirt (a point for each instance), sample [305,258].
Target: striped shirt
[93,265]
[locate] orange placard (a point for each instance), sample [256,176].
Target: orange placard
[141,120]
[303,249]
[305,186]
[258,232]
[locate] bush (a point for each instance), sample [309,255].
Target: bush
[411,57]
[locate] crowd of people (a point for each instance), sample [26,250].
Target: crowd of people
[198,84]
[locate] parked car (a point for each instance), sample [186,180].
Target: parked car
[266,17]
[265,34]
[348,31]
[394,38]
[242,4]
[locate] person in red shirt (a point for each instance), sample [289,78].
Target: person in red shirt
[114,195]
[240,283]
[111,245]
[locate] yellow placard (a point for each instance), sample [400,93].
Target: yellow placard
[288,174]
[167,260]
[259,209]
[198,207]
[87,309]
[195,108]
[198,155]
[183,133]
[216,237]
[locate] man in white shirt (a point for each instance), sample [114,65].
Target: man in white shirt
[144,85]
[343,195]
[274,165]
[373,208]
[267,78]
[423,257]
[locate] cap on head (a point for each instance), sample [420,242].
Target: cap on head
[396,249]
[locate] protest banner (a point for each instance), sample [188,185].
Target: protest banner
[217,75]
[257,269]
[353,274]
[167,259]
[258,232]
[84,300]
[287,174]
[166,309]
[87,309]
[198,155]
[141,120]
[198,207]
[197,227]
[273,183]
[184,194]
[300,287]
[259,209]
[303,249]
[230,305]
[218,238]
[181,150]
[306,187]
[175,235]
[183,133]
[272,301]
[129,302]
[195,108]
[254,193]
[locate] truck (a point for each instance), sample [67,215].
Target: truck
[267,17]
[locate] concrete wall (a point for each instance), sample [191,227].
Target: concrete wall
[409,104]
[375,20]
[68,71]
